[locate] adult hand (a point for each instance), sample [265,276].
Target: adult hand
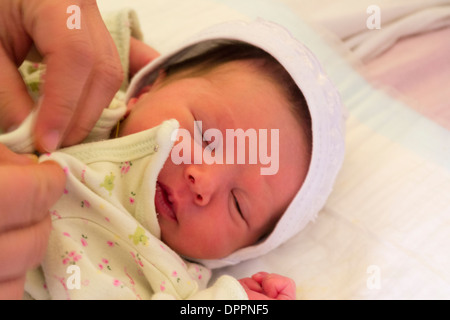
[27,191]
[140,55]
[83,68]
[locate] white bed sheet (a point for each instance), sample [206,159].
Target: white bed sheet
[385,231]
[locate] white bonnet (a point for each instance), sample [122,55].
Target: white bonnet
[324,105]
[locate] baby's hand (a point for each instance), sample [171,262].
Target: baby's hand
[269,286]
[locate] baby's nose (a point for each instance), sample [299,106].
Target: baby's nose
[200,196]
[201,183]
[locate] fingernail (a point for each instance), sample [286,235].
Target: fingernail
[50,142]
[32,157]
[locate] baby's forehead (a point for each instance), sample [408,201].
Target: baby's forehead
[230,69]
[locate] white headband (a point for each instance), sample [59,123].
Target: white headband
[324,105]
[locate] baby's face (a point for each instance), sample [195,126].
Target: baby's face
[207,211]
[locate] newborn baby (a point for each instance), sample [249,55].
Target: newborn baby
[216,145]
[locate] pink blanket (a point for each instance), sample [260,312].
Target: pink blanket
[418,69]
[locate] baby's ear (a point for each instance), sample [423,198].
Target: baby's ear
[138,96]
[145,90]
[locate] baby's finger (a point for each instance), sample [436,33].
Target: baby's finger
[279,287]
[251,284]
[258,277]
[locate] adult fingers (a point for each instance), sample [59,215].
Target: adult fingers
[104,80]
[82,65]
[140,55]
[7,157]
[15,102]
[12,289]
[27,193]
[68,55]
[29,247]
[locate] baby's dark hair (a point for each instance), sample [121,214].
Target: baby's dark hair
[229,51]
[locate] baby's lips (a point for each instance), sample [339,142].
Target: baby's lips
[162,203]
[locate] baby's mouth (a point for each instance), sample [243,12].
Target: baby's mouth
[163,205]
